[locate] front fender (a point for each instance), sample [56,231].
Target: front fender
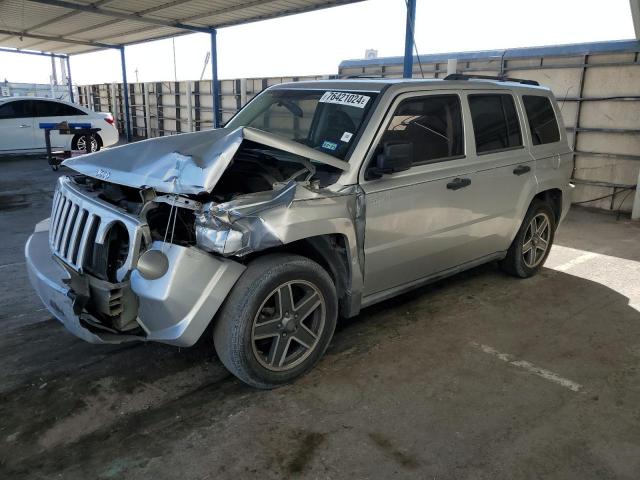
[177,307]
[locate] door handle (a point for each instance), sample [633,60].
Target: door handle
[521,169]
[24,126]
[457,183]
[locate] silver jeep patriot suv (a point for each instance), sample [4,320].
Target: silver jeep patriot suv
[317,199]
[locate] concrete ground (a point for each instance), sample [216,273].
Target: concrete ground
[479,376]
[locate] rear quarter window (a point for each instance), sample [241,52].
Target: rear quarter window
[542,119]
[45,108]
[495,122]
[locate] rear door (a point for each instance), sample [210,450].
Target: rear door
[52,112]
[505,176]
[16,126]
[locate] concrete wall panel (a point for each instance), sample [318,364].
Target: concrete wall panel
[595,168]
[609,143]
[562,81]
[622,114]
[548,61]
[568,112]
[609,81]
[611,58]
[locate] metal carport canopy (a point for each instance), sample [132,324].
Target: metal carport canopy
[64,27]
[81,26]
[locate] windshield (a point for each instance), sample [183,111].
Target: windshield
[327,120]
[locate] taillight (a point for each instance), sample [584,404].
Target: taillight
[109,119]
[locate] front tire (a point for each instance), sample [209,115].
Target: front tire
[531,247]
[277,321]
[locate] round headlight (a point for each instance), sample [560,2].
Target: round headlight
[152,264]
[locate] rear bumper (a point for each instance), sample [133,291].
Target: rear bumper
[108,134]
[174,309]
[567,198]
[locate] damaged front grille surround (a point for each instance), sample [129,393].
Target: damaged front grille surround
[81,222]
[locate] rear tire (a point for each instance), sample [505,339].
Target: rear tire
[78,143]
[531,247]
[277,321]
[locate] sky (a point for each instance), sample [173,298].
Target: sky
[316,42]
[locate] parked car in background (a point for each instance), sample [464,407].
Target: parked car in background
[20,119]
[316,200]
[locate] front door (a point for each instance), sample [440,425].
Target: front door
[16,126]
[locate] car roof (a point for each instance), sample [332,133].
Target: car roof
[380,84]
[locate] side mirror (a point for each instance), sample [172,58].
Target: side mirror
[395,157]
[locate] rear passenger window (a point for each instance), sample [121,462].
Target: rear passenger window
[432,124]
[495,122]
[542,120]
[55,109]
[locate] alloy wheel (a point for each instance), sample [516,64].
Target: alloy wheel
[288,325]
[536,240]
[81,144]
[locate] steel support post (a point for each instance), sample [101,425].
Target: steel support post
[215,86]
[69,82]
[189,106]
[408,39]
[125,93]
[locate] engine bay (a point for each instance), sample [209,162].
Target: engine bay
[254,168]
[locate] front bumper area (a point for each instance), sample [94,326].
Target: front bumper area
[174,309]
[48,279]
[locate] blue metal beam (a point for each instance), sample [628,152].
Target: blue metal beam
[125,93]
[215,85]
[27,52]
[69,79]
[408,39]
[615,46]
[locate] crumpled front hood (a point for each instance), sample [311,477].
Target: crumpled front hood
[189,163]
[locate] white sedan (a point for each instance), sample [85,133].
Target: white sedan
[22,120]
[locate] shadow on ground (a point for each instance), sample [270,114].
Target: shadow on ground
[402,392]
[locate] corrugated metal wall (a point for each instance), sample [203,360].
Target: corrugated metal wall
[598,86]
[167,108]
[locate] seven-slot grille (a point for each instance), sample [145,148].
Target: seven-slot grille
[72,230]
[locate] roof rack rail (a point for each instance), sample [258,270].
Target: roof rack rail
[499,78]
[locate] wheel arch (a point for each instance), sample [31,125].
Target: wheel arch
[332,252]
[553,197]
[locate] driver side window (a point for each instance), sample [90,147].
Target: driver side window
[432,124]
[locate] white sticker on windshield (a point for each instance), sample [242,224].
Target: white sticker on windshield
[344,98]
[346,136]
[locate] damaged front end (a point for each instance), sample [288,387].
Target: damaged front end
[237,228]
[83,263]
[148,240]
